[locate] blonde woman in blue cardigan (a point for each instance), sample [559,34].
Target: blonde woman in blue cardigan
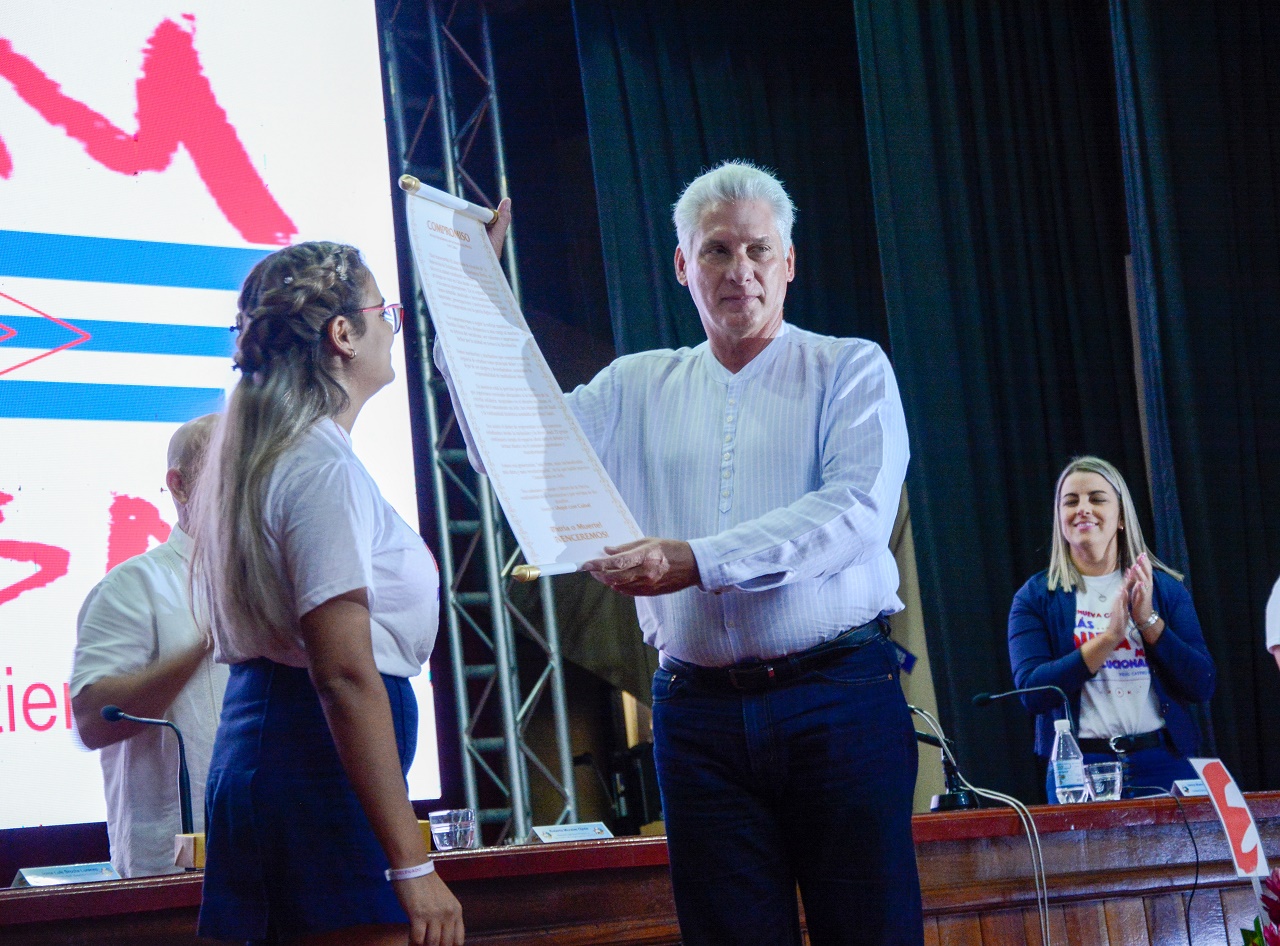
[1114,628]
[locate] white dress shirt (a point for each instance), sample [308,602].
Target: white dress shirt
[137,615]
[784,478]
[1273,617]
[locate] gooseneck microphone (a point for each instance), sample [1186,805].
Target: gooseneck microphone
[113,714]
[982,699]
[928,739]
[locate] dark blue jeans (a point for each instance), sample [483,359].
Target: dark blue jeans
[808,784]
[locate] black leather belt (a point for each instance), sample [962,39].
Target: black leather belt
[759,675]
[1118,744]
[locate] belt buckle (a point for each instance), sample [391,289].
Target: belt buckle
[1117,741]
[752,678]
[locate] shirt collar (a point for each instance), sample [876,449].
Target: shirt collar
[334,429]
[180,542]
[722,374]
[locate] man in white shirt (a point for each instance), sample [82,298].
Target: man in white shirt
[1273,622]
[766,466]
[138,648]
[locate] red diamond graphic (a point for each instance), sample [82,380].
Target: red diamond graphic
[8,333]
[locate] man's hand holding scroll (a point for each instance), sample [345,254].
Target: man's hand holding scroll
[647,567]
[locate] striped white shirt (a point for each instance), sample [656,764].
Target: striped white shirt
[784,478]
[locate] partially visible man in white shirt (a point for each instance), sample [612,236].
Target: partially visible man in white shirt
[138,647]
[1273,622]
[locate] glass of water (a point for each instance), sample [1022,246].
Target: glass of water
[1104,780]
[454,829]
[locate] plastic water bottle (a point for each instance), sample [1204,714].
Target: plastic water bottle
[1067,763]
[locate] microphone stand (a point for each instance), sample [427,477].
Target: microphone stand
[956,797]
[114,714]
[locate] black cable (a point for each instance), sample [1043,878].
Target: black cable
[588,759]
[1195,880]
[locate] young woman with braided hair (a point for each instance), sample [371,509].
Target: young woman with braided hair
[323,601]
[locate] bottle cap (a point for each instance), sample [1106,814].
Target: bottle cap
[1062,725]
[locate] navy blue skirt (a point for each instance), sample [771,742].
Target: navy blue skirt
[289,850]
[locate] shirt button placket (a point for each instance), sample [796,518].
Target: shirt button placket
[726,459]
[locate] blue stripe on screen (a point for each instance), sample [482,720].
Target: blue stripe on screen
[58,400]
[138,338]
[133,262]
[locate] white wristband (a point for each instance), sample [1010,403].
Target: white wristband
[408,873]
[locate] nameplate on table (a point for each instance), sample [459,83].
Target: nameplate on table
[64,874]
[587,831]
[1189,788]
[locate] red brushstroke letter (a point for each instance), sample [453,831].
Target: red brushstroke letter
[176,105]
[134,523]
[51,562]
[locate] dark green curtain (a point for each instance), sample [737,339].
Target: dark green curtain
[1199,94]
[672,88]
[999,203]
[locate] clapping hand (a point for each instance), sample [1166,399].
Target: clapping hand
[1118,626]
[1138,580]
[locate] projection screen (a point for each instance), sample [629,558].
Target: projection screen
[151,151]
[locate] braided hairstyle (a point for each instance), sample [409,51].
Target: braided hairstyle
[287,384]
[285,306]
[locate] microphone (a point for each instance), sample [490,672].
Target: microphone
[956,797]
[114,714]
[982,699]
[928,740]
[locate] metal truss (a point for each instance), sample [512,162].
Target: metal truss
[444,102]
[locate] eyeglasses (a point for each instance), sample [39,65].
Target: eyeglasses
[392,314]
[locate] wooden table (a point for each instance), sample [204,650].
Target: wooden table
[1120,873]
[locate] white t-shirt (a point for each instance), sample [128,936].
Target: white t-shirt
[137,615]
[1273,617]
[329,531]
[1119,700]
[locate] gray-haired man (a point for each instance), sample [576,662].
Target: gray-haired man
[765,466]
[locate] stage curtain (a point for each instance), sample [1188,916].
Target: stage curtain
[1199,86]
[672,88]
[999,206]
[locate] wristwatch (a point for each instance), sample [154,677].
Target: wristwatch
[1150,622]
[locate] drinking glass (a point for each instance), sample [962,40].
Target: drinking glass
[454,829]
[1104,780]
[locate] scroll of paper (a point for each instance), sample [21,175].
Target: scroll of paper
[561,504]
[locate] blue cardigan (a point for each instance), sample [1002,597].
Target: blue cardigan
[1042,652]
